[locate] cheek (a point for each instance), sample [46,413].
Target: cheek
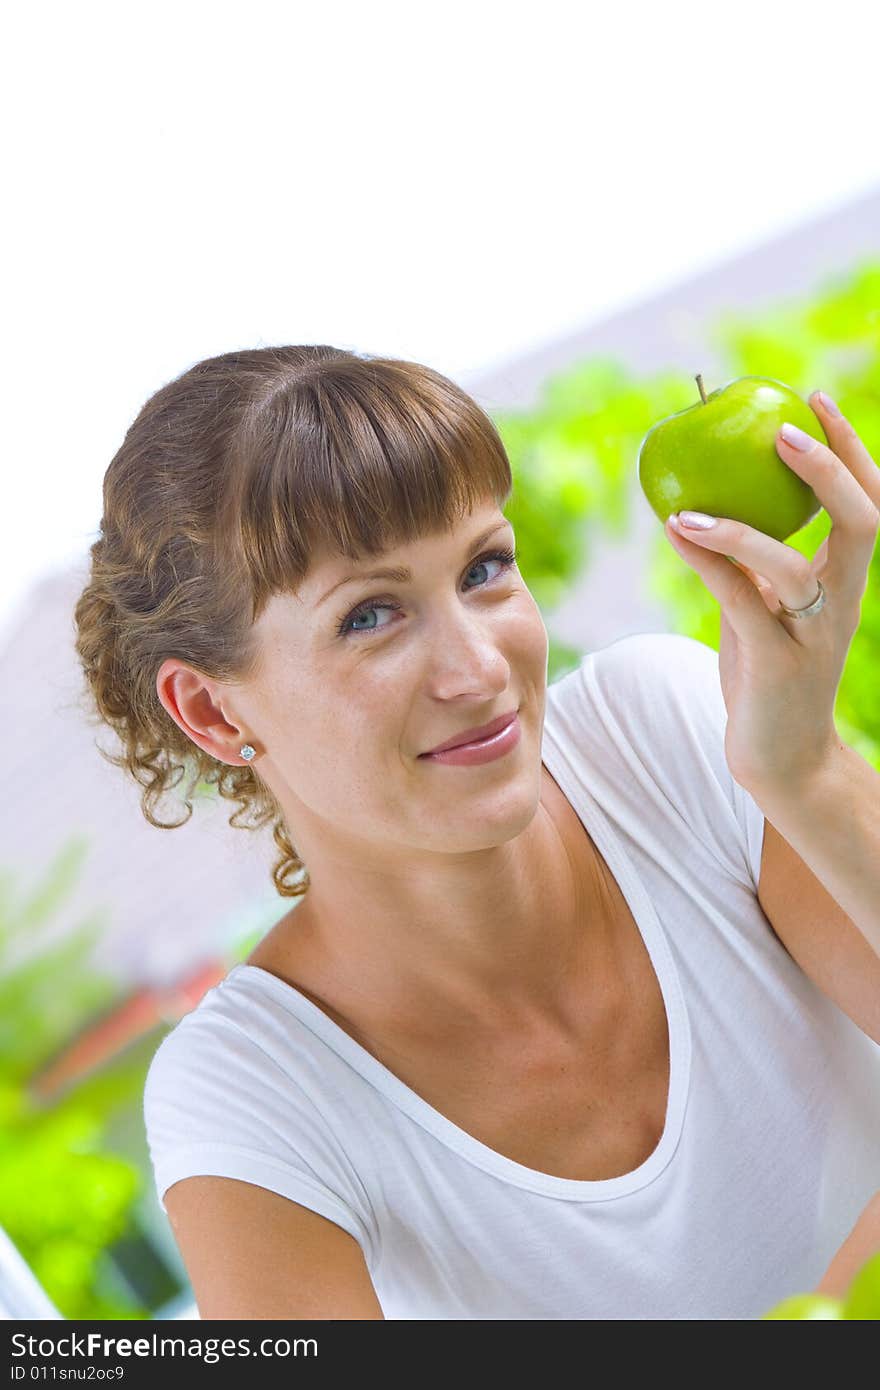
[296,721]
[531,631]
[344,728]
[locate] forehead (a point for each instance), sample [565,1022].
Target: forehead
[328,569]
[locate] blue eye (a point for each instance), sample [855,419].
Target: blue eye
[507,558]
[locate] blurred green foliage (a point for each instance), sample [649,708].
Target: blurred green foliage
[572,457]
[46,989]
[63,1198]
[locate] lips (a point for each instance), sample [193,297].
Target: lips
[471,735]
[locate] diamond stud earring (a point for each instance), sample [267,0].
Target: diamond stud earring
[248,752]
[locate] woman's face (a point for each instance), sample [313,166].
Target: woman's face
[360,676]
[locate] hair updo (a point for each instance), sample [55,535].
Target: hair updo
[231,477]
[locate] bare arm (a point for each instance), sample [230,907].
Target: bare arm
[862,1242]
[251,1253]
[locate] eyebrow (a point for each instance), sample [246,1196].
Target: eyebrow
[400,574]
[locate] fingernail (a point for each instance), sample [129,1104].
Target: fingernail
[698,521]
[796,438]
[828,404]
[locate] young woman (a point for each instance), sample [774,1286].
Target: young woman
[526,1044]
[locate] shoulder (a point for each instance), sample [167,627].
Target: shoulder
[658,696]
[644,719]
[240,1089]
[646,681]
[228,1061]
[197,1067]
[241,1071]
[662,659]
[637,654]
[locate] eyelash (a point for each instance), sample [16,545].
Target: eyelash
[508,557]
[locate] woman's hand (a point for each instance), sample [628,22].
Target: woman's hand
[779,675]
[862,1242]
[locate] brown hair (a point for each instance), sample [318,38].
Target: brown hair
[230,479]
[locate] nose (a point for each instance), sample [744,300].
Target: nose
[466,656]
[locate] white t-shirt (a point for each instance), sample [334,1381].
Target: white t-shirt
[771,1146]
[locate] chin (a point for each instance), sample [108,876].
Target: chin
[506,810]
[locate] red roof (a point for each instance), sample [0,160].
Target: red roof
[139,1014]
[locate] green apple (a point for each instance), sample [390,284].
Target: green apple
[719,456]
[862,1301]
[806,1305]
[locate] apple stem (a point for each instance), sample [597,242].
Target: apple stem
[700,384]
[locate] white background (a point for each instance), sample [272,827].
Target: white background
[455,183]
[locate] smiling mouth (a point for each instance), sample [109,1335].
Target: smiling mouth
[476,740]
[480,750]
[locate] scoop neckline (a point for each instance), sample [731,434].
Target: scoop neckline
[482,1155]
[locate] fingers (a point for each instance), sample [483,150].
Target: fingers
[788,571]
[848,448]
[841,487]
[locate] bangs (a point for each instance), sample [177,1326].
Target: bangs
[357,459]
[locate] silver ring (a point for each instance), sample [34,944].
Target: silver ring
[815,607]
